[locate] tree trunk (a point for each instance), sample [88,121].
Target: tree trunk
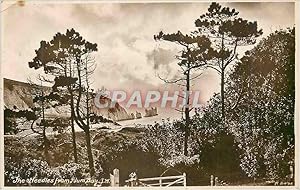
[222,82]
[89,152]
[187,114]
[223,95]
[45,140]
[70,89]
[46,146]
[73,135]
[187,123]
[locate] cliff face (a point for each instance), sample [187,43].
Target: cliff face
[18,95]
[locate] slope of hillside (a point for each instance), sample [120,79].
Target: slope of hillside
[18,95]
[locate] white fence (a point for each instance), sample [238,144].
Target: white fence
[165,181]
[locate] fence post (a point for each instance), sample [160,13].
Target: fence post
[116,174]
[184,179]
[160,182]
[115,178]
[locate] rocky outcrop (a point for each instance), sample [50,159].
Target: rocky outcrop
[151,112]
[115,113]
[138,115]
[19,95]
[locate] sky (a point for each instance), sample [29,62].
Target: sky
[128,57]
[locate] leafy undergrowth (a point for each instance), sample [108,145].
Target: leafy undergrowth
[24,157]
[150,152]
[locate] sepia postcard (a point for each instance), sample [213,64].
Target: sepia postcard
[149,94]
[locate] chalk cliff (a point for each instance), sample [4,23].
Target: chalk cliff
[18,95]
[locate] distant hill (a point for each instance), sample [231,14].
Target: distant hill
[17,95]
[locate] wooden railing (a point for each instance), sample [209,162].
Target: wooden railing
[165,181]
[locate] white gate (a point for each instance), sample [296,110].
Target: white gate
[165,181]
